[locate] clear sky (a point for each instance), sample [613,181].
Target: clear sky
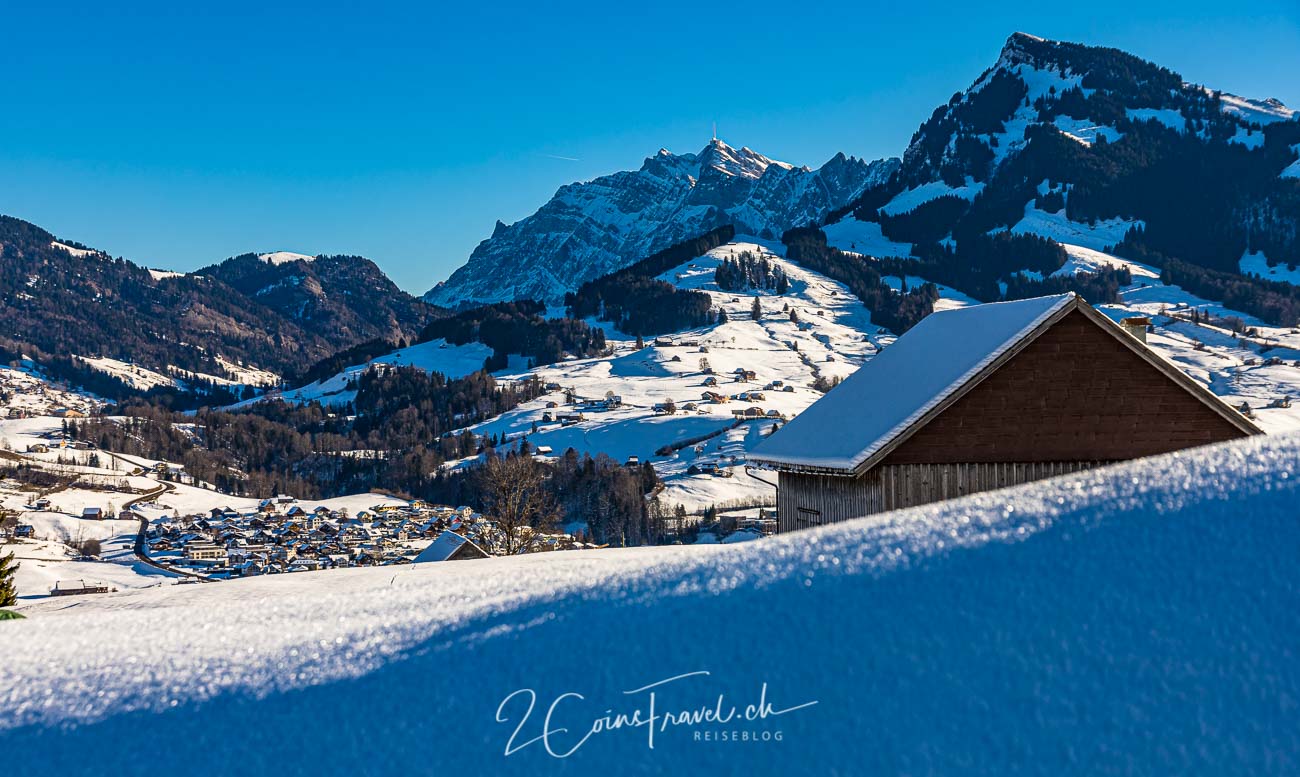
[401,131]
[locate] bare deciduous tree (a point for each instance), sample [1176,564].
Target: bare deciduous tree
[514,495]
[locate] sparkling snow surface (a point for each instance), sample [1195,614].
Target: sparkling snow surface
[1138,619]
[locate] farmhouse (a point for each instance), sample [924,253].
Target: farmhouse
[986,397]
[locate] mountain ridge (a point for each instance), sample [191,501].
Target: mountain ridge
[63,303]
[591,228]
[1095,146]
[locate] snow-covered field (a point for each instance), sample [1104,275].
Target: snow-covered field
[864,237]
[1257,264]
[1137,619]
[833,337]
[144,379]
[1096,236]
[832,326]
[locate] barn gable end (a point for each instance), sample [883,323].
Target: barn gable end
[1074,393]
[1069,391]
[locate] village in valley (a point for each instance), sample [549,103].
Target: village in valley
[105,521]
[694,404]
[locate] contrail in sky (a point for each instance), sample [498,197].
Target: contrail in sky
[563,158]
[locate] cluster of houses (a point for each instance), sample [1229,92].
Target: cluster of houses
[23,395]
[282,536]
[56,440]
[581,406]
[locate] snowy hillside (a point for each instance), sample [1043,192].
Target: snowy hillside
[1115,621]
[833,336]
[454,361]
[700,450]
[1093,147]
[26,391]
[593,228]
[144,379]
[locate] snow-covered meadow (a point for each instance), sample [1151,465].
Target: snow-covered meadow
[831,338]
[834,335]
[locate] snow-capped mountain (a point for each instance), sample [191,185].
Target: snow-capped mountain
[590,229]
[1094,146]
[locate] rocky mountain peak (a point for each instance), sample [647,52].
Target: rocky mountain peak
[591,228]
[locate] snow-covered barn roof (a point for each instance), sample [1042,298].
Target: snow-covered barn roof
[899,390]
[443,547]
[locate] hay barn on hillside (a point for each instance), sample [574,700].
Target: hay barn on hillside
[986,397]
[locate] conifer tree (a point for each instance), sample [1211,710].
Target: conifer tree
[8,592]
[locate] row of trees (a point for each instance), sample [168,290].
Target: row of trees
[749,271]
[1275,302]
[403,425]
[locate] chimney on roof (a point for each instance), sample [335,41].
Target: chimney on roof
[1136,326]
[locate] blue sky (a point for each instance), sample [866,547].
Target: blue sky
[401,131]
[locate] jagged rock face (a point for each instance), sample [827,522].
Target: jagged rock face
[590,229]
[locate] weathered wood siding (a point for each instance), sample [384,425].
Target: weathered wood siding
[1074,394]
[803,501]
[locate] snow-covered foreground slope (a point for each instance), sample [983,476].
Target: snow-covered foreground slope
[1138,619]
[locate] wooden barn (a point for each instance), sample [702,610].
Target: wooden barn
[986,397]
